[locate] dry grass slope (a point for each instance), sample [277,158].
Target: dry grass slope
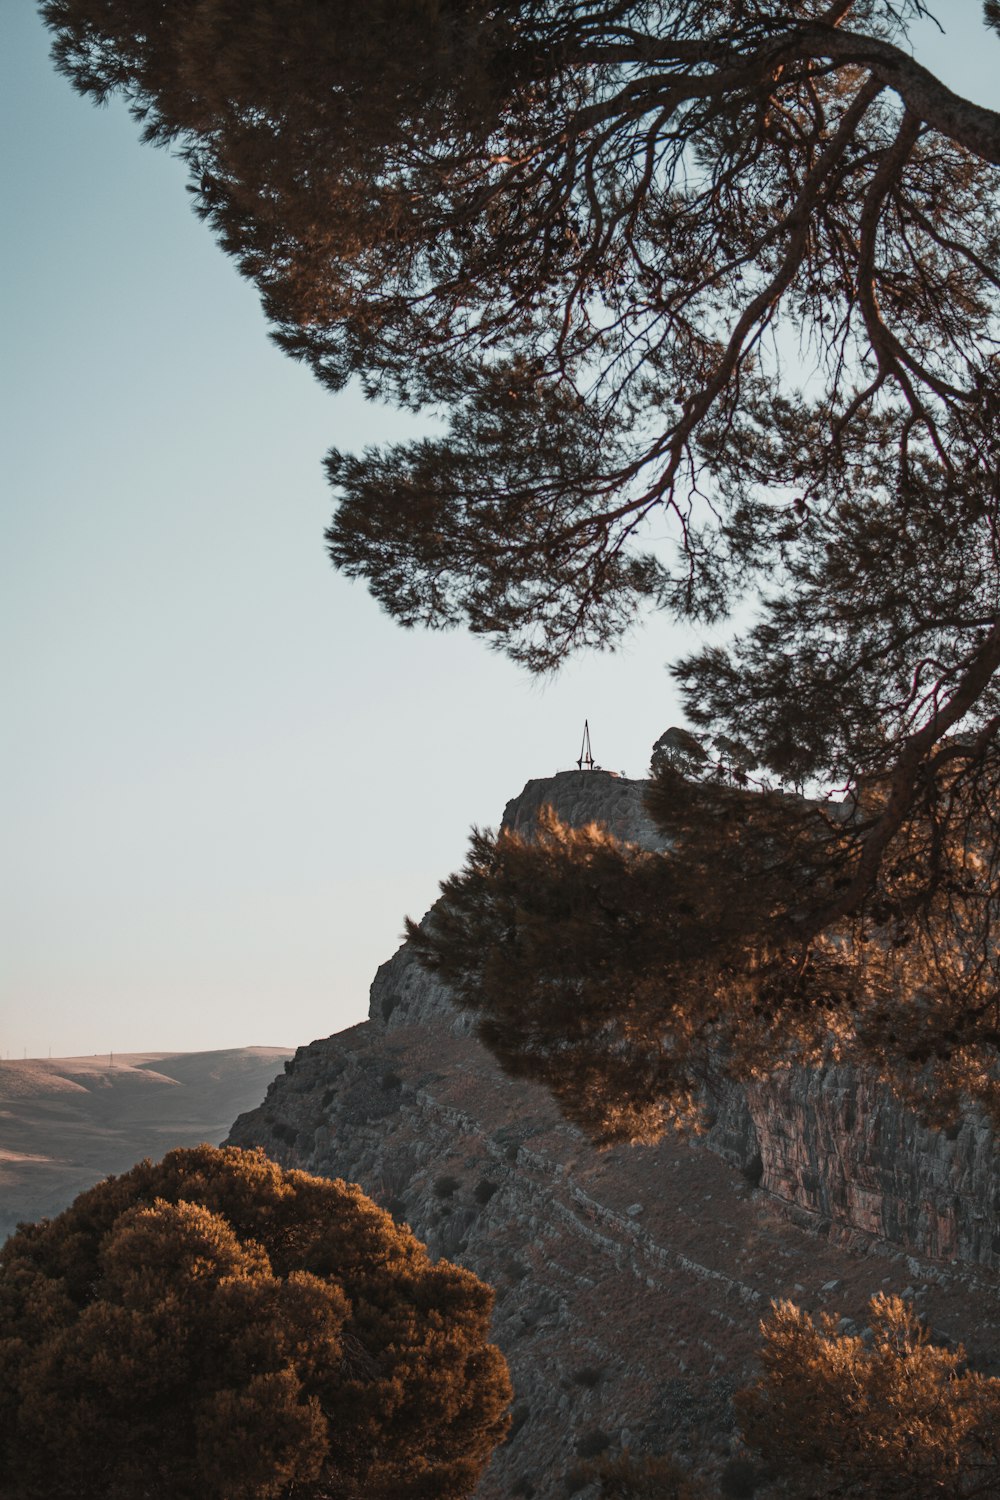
[67,1122]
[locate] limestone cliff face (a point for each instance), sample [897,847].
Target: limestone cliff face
[587,797]
[630,1282]
[836,1148]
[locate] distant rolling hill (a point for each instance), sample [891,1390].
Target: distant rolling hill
[67,1122]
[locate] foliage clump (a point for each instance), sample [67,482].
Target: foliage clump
[646,1477]
[896,1417]
[763,934]
[215,1328]
[555,943]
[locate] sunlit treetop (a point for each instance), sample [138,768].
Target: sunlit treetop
[892,1414]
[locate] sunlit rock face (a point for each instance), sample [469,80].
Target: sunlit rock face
[835,1148]
[630,1282]
[580,797]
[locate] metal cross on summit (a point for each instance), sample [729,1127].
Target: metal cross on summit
[586,759]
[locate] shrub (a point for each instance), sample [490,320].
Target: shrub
[575,1479]
[893,1415]
[739,1479]
[215,1328]
[646,1478]
[592,1443]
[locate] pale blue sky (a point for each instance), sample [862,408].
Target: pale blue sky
[226,776]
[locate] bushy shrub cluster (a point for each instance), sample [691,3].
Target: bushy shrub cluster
[216,1328]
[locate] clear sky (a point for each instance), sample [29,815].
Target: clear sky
[226,776]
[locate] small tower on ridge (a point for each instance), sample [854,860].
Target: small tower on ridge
[586,761]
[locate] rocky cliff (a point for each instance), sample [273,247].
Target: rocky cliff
[630,1282]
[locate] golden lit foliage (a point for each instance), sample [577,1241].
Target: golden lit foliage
[869,931]
[622,979]
[894,1417]
[555,942]
[625,980]
[216,1328]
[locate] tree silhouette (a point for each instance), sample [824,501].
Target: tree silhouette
[707,297]
[215,1328]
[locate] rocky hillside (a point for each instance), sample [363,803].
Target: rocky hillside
[67,1122]
[630,1282]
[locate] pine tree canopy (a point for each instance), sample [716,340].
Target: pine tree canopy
[703,297]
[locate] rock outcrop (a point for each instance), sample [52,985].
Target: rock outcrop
[630,1282]
[835,1149]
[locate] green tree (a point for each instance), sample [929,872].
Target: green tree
[726,268]
[835,1417]
[216,1328]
